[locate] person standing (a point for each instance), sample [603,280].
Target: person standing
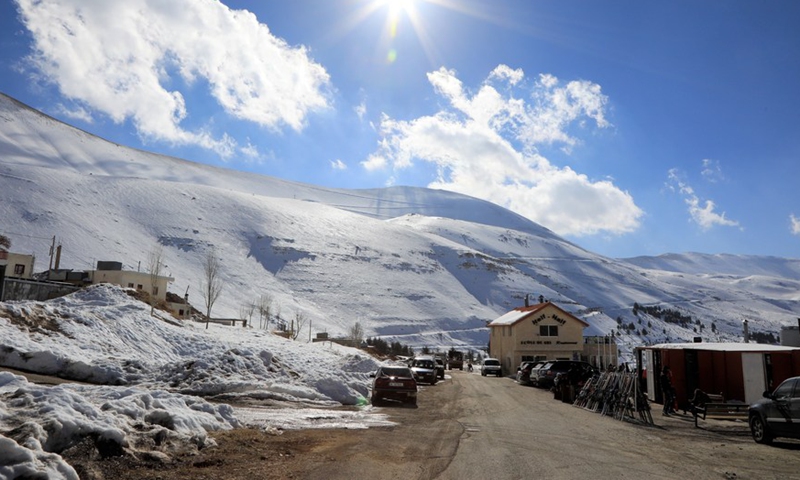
[667,390]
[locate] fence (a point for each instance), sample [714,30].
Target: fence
[22,289]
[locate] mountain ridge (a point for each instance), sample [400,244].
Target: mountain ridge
[428,267]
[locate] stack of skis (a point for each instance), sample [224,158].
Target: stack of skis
[615,393]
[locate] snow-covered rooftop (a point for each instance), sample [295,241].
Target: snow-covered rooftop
[722,347]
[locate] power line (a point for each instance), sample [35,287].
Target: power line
[25,235]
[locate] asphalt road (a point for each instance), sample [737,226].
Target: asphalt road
[473,427]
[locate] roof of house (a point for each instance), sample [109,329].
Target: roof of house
[521,313]
[722,347]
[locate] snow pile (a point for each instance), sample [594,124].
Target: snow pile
[152,372]
[40,419]
[103,335]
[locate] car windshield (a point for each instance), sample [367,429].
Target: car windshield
[395,372]
[785,390]
[424,363]
[491,362]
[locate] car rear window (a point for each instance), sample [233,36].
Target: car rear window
[395,372]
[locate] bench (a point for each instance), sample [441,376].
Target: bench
[717,407]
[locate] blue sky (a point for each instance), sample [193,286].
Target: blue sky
[631,128]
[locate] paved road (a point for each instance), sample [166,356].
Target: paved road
[473,427]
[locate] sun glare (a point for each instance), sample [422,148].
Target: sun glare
[396,6]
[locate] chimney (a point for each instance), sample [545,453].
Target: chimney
[746,331]
[58,256]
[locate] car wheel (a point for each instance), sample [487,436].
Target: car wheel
[759,430]
[375,401]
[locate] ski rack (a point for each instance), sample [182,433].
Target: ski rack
[615,394]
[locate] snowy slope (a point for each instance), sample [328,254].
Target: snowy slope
[423,266]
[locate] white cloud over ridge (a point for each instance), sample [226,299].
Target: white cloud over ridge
[485,145]
[795,225]
[703,214]
[123,58]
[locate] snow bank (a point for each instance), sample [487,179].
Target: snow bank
[148,375]
[102,335]
[38,422]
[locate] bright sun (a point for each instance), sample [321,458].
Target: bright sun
[399,5]
[397,8]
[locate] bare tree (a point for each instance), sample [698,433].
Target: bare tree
[5,242]
[280,323]
[155,265]
[246,313]
[298,323]
[356,334]
[211,283]
[264,307]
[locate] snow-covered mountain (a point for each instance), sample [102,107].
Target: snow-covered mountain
[422,266]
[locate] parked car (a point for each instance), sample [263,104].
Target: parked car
[491,366]
[546,375]
[424,369]
[777,414]
[394,383]
[536,371]
[524,371]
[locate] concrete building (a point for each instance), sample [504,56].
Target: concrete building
[16,265]
[790,335]
[538,332]
[112,272]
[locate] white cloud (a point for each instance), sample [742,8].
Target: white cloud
[250,151]
[76,113]
[712,171]
[123,59]
[514,76]
[375,162]
[702,214]
[795,224]
[338,165]
[485,145]
[361,110]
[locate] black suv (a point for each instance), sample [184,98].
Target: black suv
[546,375]
[777,414]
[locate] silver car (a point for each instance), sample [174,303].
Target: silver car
[491,366]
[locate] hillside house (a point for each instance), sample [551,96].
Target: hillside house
[739,371]
[15,268]
[15,265]
[537,332]
[112,272]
